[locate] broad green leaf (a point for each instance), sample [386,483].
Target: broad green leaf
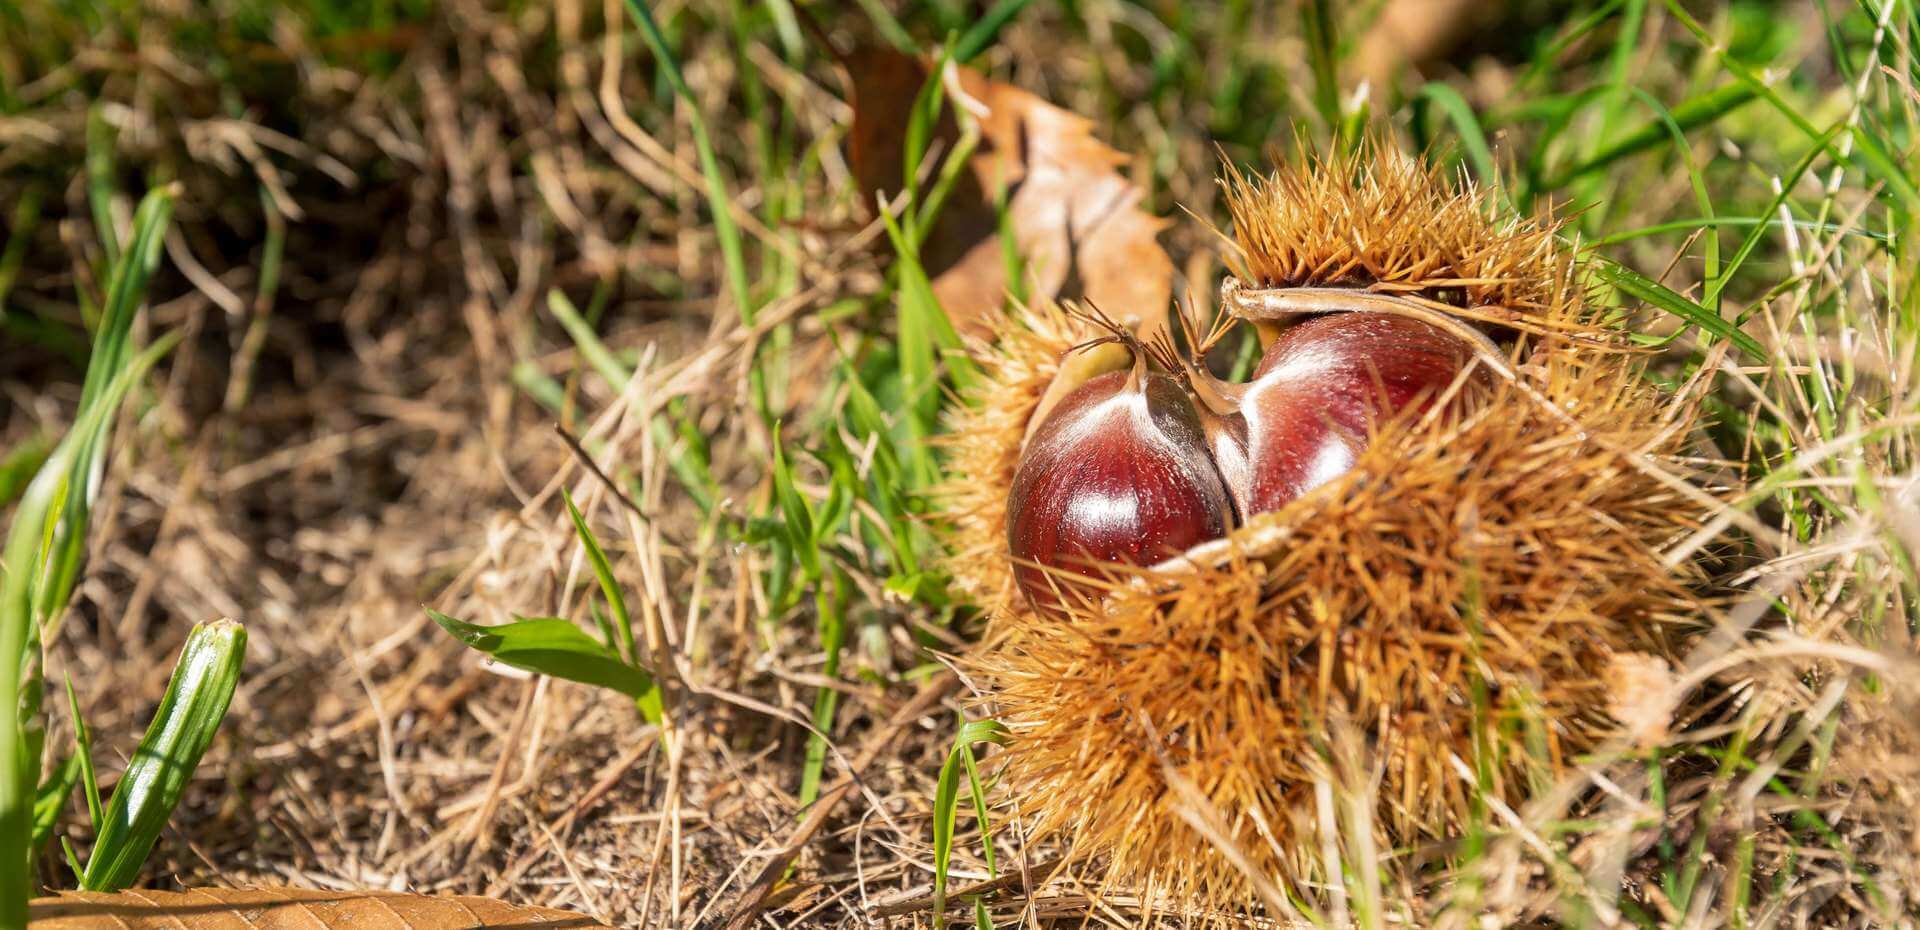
[182,729]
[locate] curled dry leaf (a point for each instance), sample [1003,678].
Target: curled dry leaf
[1076,220]
[288,908]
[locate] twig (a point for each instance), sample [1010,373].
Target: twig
[580,452]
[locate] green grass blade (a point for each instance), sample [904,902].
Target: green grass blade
[126,291]
[1316,26]
[984,30]
[1473,138]
[20,734]
[690,463]
[555,646]
[52,798]
[598,357]
[26,215]
[100,182]
[163,764]
[83,754]
[922,120]
[732,251]
[19,465]
[952,166]
[888,26]
[830,599]
[1689,114]
[1641,287]
[603,572]
[946,803]
[795,511]
[1873,157]
[1717,283]
[925,333]
[1689,224]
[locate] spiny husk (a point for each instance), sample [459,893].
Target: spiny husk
[1461,594]
[1378,219]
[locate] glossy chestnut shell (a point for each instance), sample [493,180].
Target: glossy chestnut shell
[1118,473]
[1321,388]
[1126,469]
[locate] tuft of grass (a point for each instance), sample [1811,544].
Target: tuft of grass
[44,552]
[960,764]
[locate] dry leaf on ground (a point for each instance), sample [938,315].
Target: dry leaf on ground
[1076,220]
[288,908]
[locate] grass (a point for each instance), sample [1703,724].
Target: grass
[45,551]
[769,401]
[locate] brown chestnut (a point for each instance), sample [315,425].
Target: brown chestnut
[1322,386]
[1118,473]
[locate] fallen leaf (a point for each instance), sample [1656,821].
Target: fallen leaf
[1076,219]
[286,909]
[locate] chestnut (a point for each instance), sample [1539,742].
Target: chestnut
[1117,473]
[1322,386]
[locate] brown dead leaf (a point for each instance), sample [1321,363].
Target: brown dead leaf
[286,909]
[1076,220]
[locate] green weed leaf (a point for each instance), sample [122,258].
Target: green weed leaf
[556,647]
[182,729]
